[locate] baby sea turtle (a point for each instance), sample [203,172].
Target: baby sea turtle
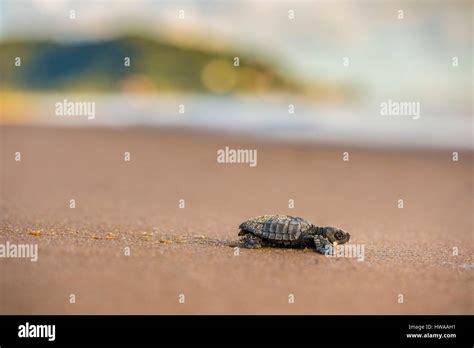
[289,232]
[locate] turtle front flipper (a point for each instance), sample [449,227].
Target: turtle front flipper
[322,245]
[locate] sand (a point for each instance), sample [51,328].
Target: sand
[190,251]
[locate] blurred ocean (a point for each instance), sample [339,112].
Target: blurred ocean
[335,61]
[267,117]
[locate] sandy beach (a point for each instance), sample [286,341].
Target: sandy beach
[189,251]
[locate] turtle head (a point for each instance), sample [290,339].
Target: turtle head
[336,235]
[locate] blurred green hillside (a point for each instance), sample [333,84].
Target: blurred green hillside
[154,65]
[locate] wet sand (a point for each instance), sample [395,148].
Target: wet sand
[190,251]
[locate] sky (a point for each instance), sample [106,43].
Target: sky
[407,58]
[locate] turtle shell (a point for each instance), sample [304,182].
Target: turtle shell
[277,228]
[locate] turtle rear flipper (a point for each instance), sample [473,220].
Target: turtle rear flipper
[251,241]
